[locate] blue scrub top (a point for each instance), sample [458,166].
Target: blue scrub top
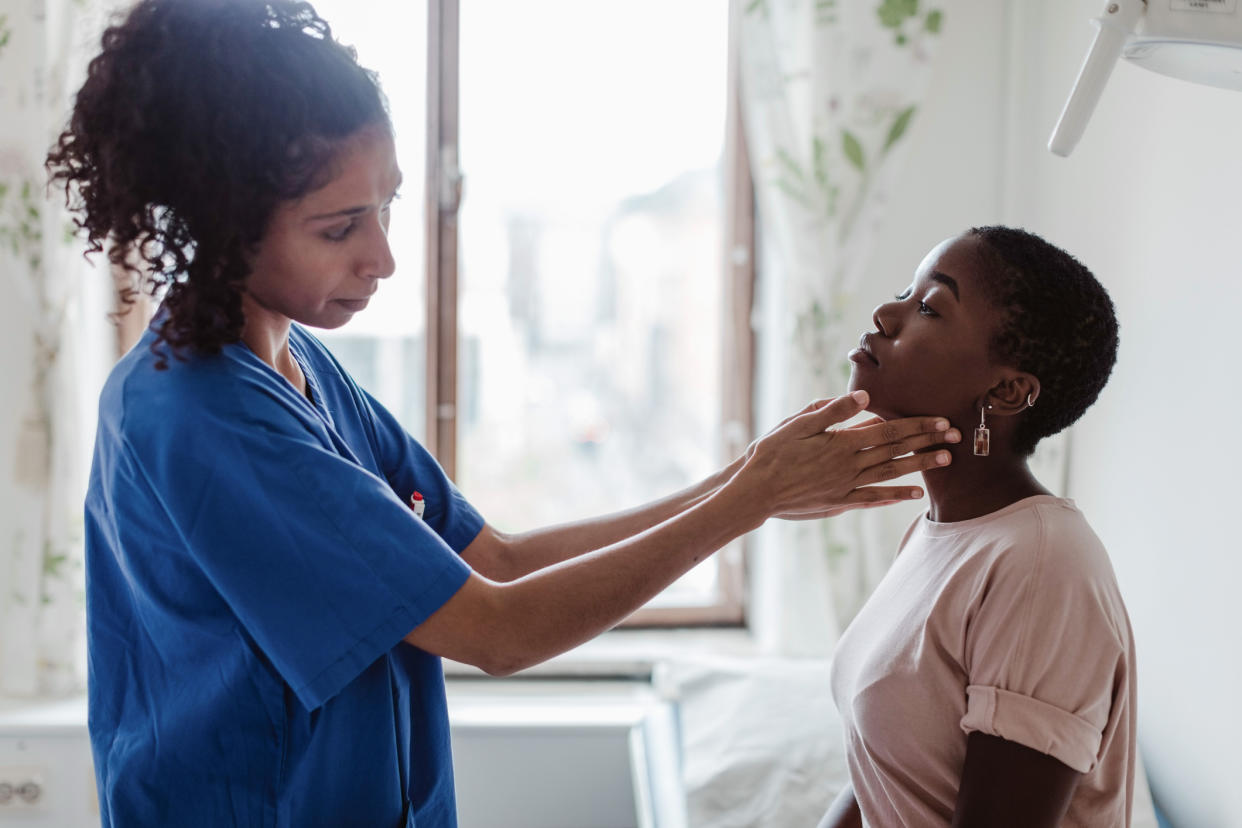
[252,568]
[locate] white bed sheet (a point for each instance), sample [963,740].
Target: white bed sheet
[762,744]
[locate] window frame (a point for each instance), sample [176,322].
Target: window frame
[443,189]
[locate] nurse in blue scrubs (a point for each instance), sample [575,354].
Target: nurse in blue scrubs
[266,611]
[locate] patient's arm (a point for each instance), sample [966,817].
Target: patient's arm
[843,813]
[1005,783]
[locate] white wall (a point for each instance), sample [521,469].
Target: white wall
[15,370]
[950,180]
[1151,202]
[952,171]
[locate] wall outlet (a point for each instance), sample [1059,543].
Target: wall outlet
[22,788]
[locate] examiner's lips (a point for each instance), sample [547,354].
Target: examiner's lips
[863,352]
[353,304]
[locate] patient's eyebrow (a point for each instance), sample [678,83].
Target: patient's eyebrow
[948,281]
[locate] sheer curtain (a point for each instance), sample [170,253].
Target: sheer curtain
[830,90]
[53,334]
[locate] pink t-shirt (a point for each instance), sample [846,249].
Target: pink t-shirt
[1010,624]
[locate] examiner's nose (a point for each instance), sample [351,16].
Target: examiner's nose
[380,263]
[387,263]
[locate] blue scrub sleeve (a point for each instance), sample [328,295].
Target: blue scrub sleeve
[406,464]
[320,561]
[409,467]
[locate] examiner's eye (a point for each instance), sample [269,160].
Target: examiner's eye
[926,309]
[339,233]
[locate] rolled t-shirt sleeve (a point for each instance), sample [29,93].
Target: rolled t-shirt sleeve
[1043,657]
[319,560]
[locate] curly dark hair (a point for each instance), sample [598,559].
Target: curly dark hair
[1059,324]
[196,120]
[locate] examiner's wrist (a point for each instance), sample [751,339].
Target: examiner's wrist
[726,474]
[738,497]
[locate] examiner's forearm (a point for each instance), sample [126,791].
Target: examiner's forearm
[529,552]
[524,622]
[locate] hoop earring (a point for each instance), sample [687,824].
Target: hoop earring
[1029,402]
[983,435]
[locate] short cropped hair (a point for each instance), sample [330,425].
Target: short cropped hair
[197,118]
[1058,324]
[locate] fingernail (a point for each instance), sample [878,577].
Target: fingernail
[953,436]
[942,458]
[916,493]
[942,425]
[860,397]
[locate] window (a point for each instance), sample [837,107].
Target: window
[583,247]
[385,346]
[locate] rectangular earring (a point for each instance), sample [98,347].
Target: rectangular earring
[983,435]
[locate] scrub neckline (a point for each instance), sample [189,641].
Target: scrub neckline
[313,394]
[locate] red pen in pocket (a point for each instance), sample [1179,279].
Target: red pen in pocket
[418,504]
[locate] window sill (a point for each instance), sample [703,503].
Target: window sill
[619,654]
[627,654]
[26,716]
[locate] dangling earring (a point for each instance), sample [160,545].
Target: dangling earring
[983,435]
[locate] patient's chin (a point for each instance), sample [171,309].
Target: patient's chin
[877,407]
[856,383]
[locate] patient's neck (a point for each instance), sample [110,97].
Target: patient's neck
[971,486]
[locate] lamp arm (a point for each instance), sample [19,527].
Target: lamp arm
[1114,26]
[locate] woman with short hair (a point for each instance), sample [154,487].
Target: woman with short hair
[990,680]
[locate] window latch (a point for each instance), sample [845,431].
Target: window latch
[451,179]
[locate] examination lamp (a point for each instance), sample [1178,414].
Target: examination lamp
[1196,40]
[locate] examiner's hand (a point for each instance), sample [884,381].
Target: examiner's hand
[804,469]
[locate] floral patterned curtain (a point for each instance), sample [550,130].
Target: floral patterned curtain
[42,46]
[830,90]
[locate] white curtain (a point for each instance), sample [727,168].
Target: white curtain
[48,336]
[830,90]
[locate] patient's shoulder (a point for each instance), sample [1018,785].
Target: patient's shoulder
[1068,544]
[1042,539]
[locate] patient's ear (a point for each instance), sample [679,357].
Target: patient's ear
[1016,392]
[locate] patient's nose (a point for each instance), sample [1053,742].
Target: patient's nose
[884,319]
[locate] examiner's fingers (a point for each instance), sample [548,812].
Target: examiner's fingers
[814,405]
[879,503]
[868,422]
[819,415]
[889,451]
[830,513]
[864,497]
[890,469]
[895,431]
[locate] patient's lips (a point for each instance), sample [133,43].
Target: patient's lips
[863,352]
